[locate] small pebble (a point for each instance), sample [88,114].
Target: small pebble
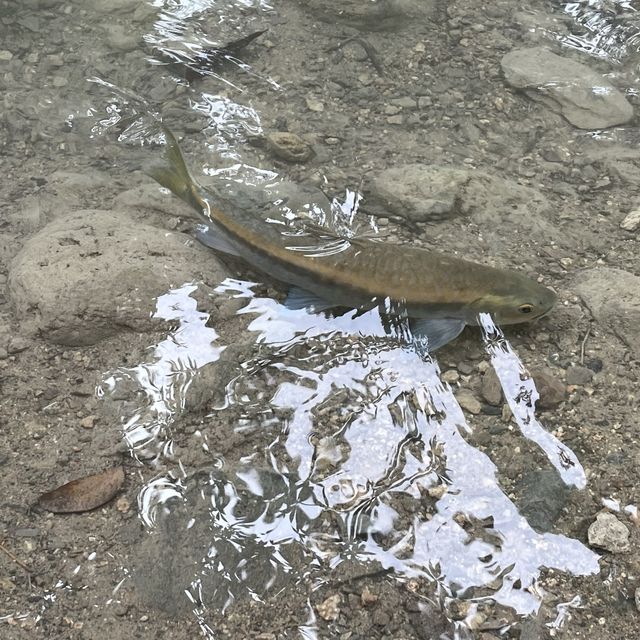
[469,402]
[5,56]
[288,146]
[16,345]
[88,422]
[579,375]
[465,368]
[367,597]
[608,533]
[491,388]
[451,376]
[329,609]
[381,618]
[631,221]
[551,389]
[314,105]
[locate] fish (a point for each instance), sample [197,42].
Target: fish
[440,294]
[197,64]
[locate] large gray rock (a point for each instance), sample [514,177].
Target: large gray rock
[613,297]
[419,193]
[90,274]
[585,98]
[430,193]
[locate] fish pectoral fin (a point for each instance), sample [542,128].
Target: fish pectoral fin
[438,332]
[209,237]
[299,298]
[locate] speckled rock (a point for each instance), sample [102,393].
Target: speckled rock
[430,193]
[91,274]
[608,533]
[631,221]
[288,146]
[612,297]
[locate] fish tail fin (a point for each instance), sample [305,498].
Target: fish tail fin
[175,176]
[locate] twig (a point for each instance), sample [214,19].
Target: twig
[584,342]
[18,562]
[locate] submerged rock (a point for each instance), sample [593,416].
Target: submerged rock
[90,274]
[543,494]
[551,389]
[631,221]
[420,193]
[491,388]
[430,193]
[585,98]
[608,533]
[288,146]
[371,16]
[612,297]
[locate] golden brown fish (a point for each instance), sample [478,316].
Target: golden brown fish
[441,293]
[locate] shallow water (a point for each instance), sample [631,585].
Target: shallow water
[369,425]
[331,451]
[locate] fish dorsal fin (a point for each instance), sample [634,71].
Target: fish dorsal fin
[437,331]
[299,298]
[209,237]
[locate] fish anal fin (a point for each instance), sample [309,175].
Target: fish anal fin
[209,237]
[437,331]
[299,298]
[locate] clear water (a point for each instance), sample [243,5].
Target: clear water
[360,451]
[359,426]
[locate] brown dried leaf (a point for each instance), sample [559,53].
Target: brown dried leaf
[84,494]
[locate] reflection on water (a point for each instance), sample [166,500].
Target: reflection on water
[604,29]
[361,457]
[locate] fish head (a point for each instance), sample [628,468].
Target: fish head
[520,300]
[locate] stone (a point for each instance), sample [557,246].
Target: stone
[612,298]
[367,597]
[314,105]
[637,598]
[551,389]
[631,221]
[419,192]
[451,376]
[329,609]
[120,37]
[491,389]
[579,375]
[585,98]
[608,533]
[17,345]
[382,15]
[433,193]
[288,146]
[469,402]
[88,422]
[541,496]
[91,274]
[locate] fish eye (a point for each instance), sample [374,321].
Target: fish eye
[525,308]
